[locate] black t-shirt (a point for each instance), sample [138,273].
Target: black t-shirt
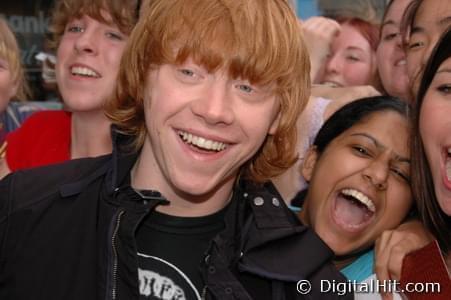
[170,250]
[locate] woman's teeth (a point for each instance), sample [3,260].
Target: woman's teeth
[360,197]
[448,165]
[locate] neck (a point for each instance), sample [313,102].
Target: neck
[341,263]
[90,134]
[146,174]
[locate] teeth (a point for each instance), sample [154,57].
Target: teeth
[83,72]
[202,142]
[401,62]
[331,84]
[362,198]
[448,169]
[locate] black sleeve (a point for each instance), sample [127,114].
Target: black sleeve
[5,208]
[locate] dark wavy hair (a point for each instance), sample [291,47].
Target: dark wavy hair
[422,184]
[353,113]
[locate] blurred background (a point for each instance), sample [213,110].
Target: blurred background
[29,19]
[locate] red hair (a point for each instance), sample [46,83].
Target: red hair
[369,31]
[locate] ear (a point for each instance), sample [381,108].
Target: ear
[309,163]
[274,125]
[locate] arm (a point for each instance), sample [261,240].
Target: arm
[4,169]
[319,33]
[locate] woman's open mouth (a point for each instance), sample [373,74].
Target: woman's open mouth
[353,211]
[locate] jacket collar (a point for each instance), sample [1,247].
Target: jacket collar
[117,167]
[271,236]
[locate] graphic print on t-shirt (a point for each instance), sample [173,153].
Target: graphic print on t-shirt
[159,279]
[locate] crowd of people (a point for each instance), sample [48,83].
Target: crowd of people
[226,149]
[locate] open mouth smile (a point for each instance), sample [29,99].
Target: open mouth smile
[353,210]
[202,143]
[84,72]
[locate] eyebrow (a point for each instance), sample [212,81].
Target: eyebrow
[445,20]
[354,48]
[444,70]
[388,22]
[378,145]
[416,29]
[442,22]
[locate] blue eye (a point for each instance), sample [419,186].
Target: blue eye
[245,88]
[187,72]
[115,36]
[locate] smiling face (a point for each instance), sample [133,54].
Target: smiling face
[431,20]
[391,57]
[202,127]
[435,129]
[352,61]
[359,185]
[88,59]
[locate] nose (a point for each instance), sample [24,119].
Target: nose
[333,64]
[214,104]
[86,42]
[377,173]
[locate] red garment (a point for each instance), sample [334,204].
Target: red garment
[426,265]
[43,139]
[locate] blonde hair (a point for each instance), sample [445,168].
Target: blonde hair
[124,14]
[258,40]
[9,51]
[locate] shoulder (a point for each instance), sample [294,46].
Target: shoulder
[44,181]
[48,117]
[44,121]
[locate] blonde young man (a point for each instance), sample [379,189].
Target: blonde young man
[205,110]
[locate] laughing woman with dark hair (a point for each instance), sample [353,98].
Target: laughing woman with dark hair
[358,171]
[431,167]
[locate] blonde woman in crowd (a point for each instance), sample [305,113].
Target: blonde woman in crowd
[13,85]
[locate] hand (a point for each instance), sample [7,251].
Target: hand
[393,245]
[319,33]
[342,95]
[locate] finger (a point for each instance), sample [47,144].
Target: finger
[382,256]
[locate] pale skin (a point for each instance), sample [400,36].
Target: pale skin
[319,33]
[97,47]
[208,106]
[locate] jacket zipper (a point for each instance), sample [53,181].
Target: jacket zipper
[115,263]
[204,293]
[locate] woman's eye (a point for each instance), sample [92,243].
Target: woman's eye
[360,150]
[444,89]
[415,45]
[390,36]
[401,174]
[352,58]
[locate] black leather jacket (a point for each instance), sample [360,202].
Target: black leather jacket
[68,232]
